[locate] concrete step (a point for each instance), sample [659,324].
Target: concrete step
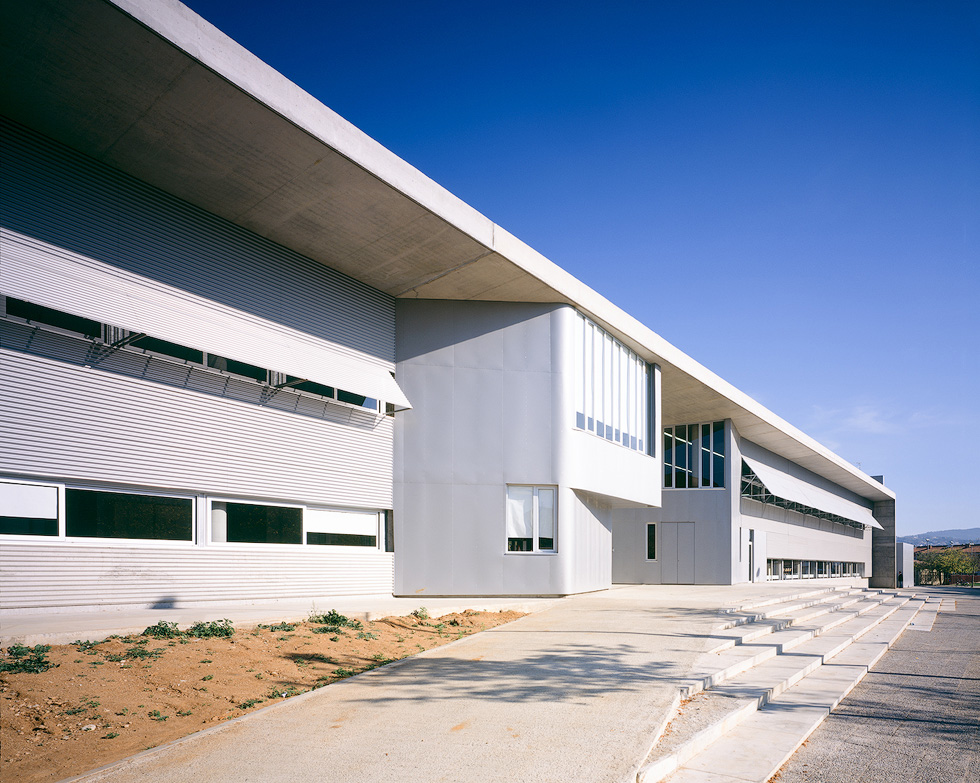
[783,632]
[708,718]
[743,623]
[755,750]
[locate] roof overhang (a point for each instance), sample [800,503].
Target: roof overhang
[152,89]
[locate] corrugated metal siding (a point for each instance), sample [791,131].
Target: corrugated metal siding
[109,222]
[82,352]
[61,420]
[47,575]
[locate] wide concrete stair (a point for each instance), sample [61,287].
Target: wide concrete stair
[773,673]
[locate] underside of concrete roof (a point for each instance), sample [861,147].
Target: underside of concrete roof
[153,90]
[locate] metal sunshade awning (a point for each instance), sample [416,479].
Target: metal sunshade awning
[790,488]
[64,280]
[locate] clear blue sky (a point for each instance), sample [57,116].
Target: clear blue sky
[787,191]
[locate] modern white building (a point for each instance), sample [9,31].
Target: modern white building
[248,353]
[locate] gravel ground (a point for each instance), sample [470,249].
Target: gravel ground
[915,717]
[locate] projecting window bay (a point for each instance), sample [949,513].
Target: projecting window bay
[612,388]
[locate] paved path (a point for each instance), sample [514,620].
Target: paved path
[915,717]
[575,692]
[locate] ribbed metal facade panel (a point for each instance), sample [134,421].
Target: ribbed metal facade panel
[61,420]
[117,226]
[62,574]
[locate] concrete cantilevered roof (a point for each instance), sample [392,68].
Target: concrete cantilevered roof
[152,89]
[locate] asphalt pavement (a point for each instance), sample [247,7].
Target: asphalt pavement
[916,715]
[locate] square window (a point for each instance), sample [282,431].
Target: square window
[531,519]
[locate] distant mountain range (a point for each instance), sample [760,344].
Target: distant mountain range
[970,535]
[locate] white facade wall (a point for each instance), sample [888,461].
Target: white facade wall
[794,536]
[703,534]
[135,422]
[492,386]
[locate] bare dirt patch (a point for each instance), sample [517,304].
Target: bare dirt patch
[101,702]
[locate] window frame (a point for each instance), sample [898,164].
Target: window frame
[691,451]
[379,545]
[656,542]
[64,486]
[209,500]
[60,489]
[535,521]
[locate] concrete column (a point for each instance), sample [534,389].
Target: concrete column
[883,571]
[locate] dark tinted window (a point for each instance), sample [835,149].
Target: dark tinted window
[51,317]
[238,368]
[28,526]
[341,539]
[169,349]
[356,399]
[651,542]
[252,524]
[312,387]
[121,515]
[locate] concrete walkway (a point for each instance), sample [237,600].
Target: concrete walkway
[574,692]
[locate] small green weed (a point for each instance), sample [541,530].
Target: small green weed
[334,629]
[206,660]
[157,716]
[27,660]
[111,735]
[335,618]
[421,613]
[280,627]
[140,652]
[83,646]
[183,713]
[164,630]
[367,635]
[207,677]
[214,628]
[283,693]
[249,703]
[342,673]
